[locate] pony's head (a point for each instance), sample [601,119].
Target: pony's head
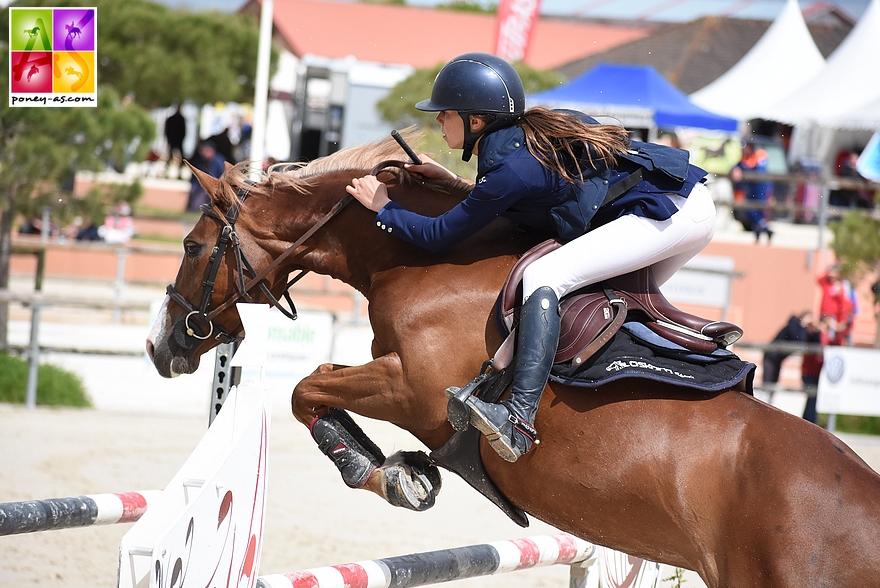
[256,230]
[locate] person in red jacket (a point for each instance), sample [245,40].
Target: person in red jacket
[837,308]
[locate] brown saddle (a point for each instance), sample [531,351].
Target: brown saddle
[591,315]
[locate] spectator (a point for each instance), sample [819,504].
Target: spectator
[34,226]
[88,233]
[808,195]
[175,133]
[837,308]
[811,367]
[223,145]
[795,330]
[30,227]
[208,161]
[118,227]
[848,197]
[754,159]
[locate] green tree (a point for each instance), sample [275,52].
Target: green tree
[398,108]
[149,55]
[41,149]
[857,247]
[466,6]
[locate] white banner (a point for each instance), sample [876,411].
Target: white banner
[850,382]
[704,280]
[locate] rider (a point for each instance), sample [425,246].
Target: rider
[551,170]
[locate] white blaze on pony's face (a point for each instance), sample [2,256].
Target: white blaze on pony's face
[160,324]
[158,350]
[159,333]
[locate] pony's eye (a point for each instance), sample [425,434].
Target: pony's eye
[192,249]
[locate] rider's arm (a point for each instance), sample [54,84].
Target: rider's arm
[493,194]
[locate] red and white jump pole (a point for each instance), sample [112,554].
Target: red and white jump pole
[434,567]
[31,516]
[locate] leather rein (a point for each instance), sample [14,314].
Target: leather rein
[198,324]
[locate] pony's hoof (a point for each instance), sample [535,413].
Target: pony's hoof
[419,461]
[411,485]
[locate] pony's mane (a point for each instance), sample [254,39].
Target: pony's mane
[302,177]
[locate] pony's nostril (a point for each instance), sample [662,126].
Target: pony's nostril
[150,349]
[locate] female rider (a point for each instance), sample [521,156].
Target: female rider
[551,170]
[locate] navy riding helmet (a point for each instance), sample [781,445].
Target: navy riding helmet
[478,83]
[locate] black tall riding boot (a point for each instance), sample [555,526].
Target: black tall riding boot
[509,426]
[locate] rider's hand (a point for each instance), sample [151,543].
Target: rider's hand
[370,192]
[429,169]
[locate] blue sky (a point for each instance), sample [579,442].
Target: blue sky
[682,10]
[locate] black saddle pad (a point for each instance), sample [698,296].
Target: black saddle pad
[635,352]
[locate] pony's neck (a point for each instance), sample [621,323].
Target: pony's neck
[350,248]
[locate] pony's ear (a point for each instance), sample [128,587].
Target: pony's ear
[227,166]
[208,182]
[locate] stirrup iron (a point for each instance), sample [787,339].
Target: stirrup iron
[457,410]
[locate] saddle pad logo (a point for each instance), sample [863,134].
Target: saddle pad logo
[53,57]
[641,365]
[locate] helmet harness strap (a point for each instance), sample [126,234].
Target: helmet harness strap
[471,138]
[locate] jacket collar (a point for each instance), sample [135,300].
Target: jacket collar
[496,146]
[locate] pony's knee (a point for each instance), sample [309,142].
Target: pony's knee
[324,368]
[303,404]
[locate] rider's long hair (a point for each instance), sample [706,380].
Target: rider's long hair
[557,140]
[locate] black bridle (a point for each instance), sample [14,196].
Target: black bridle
[198,324]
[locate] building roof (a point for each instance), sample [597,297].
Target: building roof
[424,37]
[688,10]
[691,55]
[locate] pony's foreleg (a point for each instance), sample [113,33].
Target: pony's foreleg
[369,390]
[406,479]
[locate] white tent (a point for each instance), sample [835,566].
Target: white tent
[783,60]
[833,111]
[848,81]
[865,118]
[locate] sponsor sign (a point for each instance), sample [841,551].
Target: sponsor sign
[849,382]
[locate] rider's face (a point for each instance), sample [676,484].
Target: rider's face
[452,128]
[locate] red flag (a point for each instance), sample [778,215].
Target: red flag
[516,19]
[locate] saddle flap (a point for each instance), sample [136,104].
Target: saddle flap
[511,292]
[584,318]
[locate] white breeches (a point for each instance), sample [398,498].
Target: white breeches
[626,244]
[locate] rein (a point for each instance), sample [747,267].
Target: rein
[185,333]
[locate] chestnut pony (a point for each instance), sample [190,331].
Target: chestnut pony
[719,483]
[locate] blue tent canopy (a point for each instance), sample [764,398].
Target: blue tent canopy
[637,95]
